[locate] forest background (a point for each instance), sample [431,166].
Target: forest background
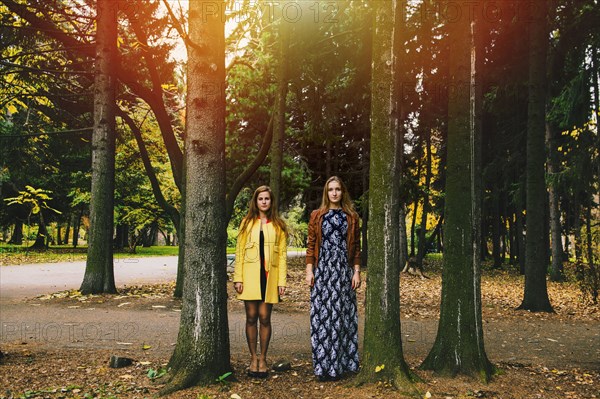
[303,92]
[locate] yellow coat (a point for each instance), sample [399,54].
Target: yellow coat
[247,262]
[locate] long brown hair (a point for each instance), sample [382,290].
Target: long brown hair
[272,213]
[345,202]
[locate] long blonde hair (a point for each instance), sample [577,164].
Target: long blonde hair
[345,202]
[272,213]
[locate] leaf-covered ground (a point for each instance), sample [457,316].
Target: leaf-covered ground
[37,370]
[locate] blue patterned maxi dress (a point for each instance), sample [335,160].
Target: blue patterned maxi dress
[333,315]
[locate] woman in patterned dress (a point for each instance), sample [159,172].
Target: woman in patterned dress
[333,273]
[260,272]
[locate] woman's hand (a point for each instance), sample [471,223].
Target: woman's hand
[281,291]
[356,279]
[239,287]
[310,277]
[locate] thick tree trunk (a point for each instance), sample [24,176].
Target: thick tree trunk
[535,296]
[41,240]
[202,351]
[99,272]
[382,338]
[17,234]
[279,117]
[459,346]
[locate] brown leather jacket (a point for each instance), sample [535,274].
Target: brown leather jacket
[314,238]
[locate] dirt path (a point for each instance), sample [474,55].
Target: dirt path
[551,343]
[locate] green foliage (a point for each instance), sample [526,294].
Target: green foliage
[297,228]
[34,199]
[222,379]
[156,373]
[232,233]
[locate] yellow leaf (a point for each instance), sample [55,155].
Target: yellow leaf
[146,347]
[379,368]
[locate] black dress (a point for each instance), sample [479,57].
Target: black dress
[333,310]
[263,272]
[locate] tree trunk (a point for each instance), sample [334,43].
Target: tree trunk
[413,223]
[365,208]
[179,282]
[484,235]
[76,227]
[535,296]
[68,230]
[41,239]
[58,234]
[202,351]
[279,119]
[382,337]
[119,233]
[459,346]
[519,230]
[17,234]
[496,227]
[99,272]
[566,227]
[511,239]
[423,231]
[594,282]
[403,236]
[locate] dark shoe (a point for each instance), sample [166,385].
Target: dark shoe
[252,374]
[327,377]
[261,374]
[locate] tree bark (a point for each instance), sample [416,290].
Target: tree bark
[202,351]
[535,296]
[403,236]
[496,226]
[58,234]
[99,273]
[68,229]
[459,346]
[382,338]
[41,239]
[594,283]
[279,117]
[519,230]
[422,250]
[413,221]
[76,226]
[17,235]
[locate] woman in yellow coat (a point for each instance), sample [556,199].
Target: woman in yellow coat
[260,272]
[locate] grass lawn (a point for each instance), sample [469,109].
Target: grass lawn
[18,255]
